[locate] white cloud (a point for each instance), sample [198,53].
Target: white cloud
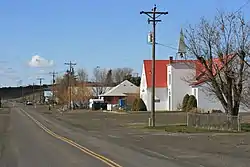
[38,61]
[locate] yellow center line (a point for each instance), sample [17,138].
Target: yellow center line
[72,143]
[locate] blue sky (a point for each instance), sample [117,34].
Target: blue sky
[91,33]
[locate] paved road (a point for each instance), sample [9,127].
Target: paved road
[28,146]
[31,145]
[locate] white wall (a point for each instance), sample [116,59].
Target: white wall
[145,94]
[178,73]
[162,95]
[143,87]
[206,102]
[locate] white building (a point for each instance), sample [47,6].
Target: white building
[171,85]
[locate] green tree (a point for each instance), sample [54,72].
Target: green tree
[185,102]
[109,78]
[192,103]
[134,80]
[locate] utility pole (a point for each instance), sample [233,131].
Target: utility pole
[40,82]
[153,15]
[70,64]
[53,86]
[22,92]
[33,92]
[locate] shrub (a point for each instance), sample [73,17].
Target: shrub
[139,105]
[192,103]
[135,104]
[216,111]
[184,102]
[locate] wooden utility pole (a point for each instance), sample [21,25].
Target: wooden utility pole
[53,86]
[33,92]
[41,90]
[153,15]
[70,71]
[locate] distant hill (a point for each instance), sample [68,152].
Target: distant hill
[16,92]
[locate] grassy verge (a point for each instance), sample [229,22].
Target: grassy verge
[185,129]
[245,127]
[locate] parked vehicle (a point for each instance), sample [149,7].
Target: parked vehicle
[29,103]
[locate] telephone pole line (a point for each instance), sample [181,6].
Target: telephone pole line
[53,86]
[153,15]
[70,71]
[41,91]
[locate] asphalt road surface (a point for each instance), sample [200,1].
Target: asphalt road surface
[30,145]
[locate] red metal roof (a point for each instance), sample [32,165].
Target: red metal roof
[161,71]
[217,65]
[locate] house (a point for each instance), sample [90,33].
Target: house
[171,84]
[125,90]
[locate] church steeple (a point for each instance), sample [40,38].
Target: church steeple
[182,46]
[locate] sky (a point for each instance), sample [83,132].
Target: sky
[39,36]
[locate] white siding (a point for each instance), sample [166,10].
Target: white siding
[178,87]
[162,95]
[143,87]
[208,103]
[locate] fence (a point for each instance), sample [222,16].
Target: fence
[214,121]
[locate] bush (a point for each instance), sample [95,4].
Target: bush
[139,105]
[192,103]
[216,111]
[135,104]
[184,102]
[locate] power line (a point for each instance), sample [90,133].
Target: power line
[153,18]
[241,7]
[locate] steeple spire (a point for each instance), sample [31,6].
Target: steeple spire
[182,46]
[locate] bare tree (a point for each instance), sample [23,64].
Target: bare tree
[120,74]
[82,75]
[61,90]
[82,93]
[221,48]
[99,78]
